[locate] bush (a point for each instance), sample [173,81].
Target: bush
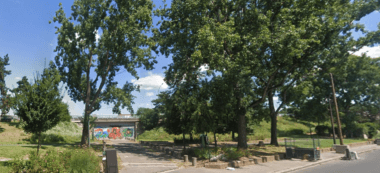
[372,128]
[322,130]
[47,138]
[75,160]
[232,153]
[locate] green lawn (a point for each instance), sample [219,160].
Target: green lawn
[286,127]
[324,143]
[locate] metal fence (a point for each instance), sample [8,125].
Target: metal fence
[298,148]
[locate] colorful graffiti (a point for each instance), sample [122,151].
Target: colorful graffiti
[113,132]
[128,132]
[101,133]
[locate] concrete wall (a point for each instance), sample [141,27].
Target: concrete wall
[114,130]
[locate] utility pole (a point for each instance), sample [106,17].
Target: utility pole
[332,121]
[337,110]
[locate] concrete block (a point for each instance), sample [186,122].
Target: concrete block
[194,161]
[237,164]
[267,158]
[277,157]
[341,148]
[258,160]
[186,158]
[216,165]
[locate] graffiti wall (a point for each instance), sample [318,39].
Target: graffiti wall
[124,132]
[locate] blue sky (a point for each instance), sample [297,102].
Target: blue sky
[28,38]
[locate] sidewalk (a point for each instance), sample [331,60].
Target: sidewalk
[283,165]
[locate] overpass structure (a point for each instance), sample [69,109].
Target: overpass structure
[111,127]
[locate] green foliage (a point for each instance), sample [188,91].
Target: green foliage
[148,118]
[6,100]
[123,44]
[322,130]
[232,153]
[75,160]
[256,47]
[372,128]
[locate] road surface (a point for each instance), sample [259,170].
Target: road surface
[367,163]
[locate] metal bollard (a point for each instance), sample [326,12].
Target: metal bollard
[186,158]
[194,161]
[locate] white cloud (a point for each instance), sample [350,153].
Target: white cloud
[149,94]
[153,81]
[275,98]
[18,78]
[97,37]
[204,68]
[372,52]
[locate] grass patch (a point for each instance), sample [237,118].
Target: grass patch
[286,126]
[63,133]
[324,143]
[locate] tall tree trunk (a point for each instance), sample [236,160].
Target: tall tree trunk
[85,132]
[242,132]
[216,143]
[39,142]
[183,139]
[233,135]
[273,116]
[191,137]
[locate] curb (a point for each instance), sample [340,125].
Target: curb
[171,170]
[320,162]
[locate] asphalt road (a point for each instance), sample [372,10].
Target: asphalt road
[367,163]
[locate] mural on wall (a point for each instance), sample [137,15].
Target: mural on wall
[113,132]
[100,132]
[128,132]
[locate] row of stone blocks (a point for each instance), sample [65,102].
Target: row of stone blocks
[252,160]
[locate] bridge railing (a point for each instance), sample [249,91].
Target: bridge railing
[106,117]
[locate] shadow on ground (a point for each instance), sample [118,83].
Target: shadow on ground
[135,148]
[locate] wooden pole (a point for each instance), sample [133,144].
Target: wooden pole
[332,121]
[337,111]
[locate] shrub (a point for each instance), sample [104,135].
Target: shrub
[75,160]
[322,130]
[232,153]
[372,128]
[47,138]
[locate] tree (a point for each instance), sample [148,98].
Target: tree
[264,41]
[123,43]
[148,118]
[65,115]
[39,104]
[5,98]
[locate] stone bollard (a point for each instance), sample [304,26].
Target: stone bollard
[277,157]
[104,146]
[194,161]
[186,158]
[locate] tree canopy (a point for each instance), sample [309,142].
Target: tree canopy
[40,105]
[122,44]
[264,41]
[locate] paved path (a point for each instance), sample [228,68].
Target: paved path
[280,166]
[137,159]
